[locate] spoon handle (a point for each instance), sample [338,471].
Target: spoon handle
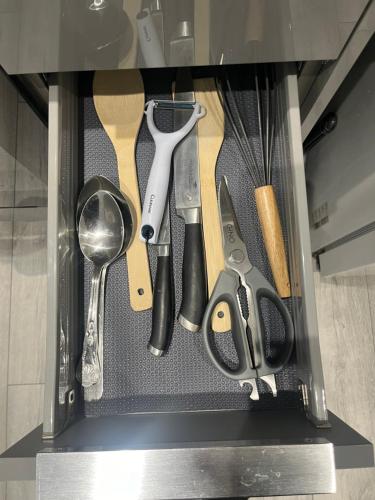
[90,355]
[95,391]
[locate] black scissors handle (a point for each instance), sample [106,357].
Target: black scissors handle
[249,366]
[225,290]
[260,288]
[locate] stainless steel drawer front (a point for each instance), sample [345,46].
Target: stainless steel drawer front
[216,472]
[70,35]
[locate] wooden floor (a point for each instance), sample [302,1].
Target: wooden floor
[23,274]
[346,308]
[346,315]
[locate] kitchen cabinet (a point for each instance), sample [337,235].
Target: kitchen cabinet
[187,440]
[341,178]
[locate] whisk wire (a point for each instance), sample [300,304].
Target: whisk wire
[247,143]
[228,111]
[267,149]
[260,124]
[260,170]
[273,114]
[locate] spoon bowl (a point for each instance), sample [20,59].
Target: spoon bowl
[101,229]
[100,183]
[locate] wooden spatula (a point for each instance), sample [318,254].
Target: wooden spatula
[210,139]
[119,101]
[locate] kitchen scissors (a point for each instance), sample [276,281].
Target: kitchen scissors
[248,334]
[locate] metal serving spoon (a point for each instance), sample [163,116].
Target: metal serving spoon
[101,237]
[93,185]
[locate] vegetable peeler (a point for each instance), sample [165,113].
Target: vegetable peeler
[158,181]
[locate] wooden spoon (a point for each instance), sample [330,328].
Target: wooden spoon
[119,101]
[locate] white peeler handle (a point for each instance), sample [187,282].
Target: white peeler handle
[158,181]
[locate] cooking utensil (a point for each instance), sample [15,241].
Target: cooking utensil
[260,169]
[94,184]
[210,138]
[239,272]
[101,237]
[181,47]
[101,32]
[100,183]
[119,102]
[163,303]
[149,42]
[157,14]
[158,181]
[188,206]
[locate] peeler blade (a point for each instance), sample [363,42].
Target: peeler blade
[169,104]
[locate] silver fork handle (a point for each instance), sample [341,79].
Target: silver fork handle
[90,355]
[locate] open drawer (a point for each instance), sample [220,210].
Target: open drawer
[174,427]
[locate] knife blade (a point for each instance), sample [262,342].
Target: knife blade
[163,297]
[188,207]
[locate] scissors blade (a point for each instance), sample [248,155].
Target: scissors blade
[235,253]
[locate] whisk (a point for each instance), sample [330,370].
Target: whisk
[259,166]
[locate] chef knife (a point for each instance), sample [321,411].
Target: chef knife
[163,298]
[188,206]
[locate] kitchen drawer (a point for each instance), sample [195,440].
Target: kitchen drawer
[174,427]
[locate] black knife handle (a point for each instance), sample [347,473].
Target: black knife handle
[162,308]
[194,281]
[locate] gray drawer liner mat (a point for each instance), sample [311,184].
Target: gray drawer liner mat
[183,380]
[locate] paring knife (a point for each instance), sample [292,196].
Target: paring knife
[188,206]
[163,299]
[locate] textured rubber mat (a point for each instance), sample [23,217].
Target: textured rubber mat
[183,380]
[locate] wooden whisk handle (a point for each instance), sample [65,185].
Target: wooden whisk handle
[269,217]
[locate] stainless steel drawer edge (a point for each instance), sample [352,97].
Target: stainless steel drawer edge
[62,300]
[309,365]
[209,472]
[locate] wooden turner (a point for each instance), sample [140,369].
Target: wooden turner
[210,139]
[119,101]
